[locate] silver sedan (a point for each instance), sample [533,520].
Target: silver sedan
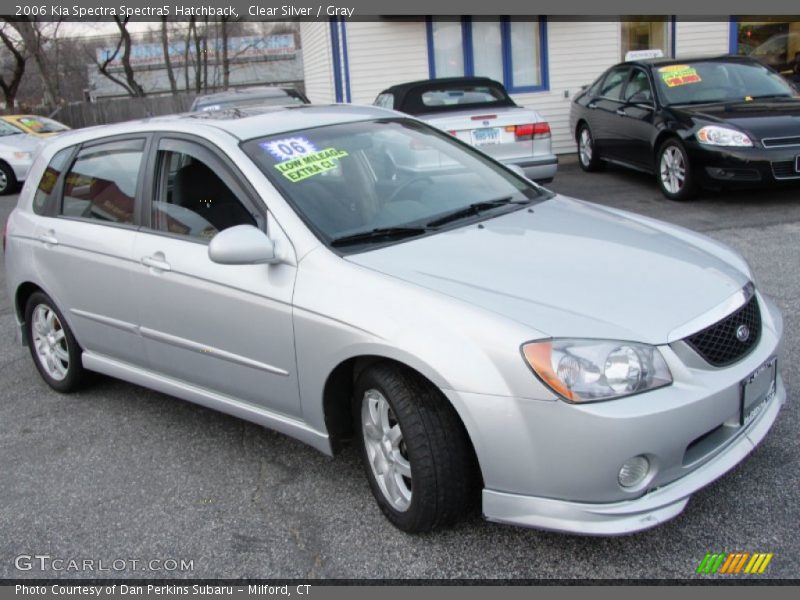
[344,272]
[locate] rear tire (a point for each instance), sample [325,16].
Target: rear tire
[8,181]
[674,172]
[55,352]
[588,158]
[416,453]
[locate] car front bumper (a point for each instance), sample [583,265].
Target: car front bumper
[745,166]
[553,465]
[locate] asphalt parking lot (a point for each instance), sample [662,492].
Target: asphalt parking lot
[121,472]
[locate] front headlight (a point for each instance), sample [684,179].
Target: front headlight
[713,135]
[592,370]
[23,155]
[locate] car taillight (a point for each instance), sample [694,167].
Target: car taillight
[531,130]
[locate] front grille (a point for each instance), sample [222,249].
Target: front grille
[784,169]
[719,344]
[782,141]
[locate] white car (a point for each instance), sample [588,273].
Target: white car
[16,156]
[479,112]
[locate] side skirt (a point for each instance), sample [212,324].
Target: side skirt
[186,391]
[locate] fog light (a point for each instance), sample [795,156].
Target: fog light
[633,471]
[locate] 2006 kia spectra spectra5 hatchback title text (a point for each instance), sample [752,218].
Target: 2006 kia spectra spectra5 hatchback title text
[338,272]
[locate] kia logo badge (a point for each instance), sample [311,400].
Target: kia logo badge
[743,333]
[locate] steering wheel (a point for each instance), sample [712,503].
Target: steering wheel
[406,184]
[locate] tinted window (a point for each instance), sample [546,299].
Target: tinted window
[46,196]
[719,81]
[462,95]
[193,201]
[613,83]
[102,182]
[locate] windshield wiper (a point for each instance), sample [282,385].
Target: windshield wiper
[474,209]
[771,96]
[379,233]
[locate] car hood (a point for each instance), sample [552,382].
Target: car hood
[567,268]
[19,141]
[768,118]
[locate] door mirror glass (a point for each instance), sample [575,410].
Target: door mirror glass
[242,245]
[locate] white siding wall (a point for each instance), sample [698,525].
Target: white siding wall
[317,61]
[699,38]
[384,53]
[578,51]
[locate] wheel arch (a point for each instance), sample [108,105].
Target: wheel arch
[338,392]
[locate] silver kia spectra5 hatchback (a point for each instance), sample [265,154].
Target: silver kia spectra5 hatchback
[342,272]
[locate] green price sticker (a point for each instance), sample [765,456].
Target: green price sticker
[298,169]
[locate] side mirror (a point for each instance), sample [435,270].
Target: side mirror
[641,99]
[243,245]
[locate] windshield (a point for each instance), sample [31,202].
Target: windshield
[703,82]
[392,175]
[8,129]
[42,124]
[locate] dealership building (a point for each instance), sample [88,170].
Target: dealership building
[542,62]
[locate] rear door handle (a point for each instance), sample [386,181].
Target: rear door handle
[157,262]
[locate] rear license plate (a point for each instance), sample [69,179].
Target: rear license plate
[486,136]
[757,390]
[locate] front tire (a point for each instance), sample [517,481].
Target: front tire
[588,158]
[416,453]
[674,172]
[55,352]
[8,181]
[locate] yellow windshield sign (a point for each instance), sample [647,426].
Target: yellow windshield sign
[309,165]
[675,75]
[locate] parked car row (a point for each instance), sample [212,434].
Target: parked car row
[20,137]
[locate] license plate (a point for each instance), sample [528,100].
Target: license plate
[486,136]
[757,391]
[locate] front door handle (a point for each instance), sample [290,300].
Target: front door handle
[157,261]
[49,238]
[621,112]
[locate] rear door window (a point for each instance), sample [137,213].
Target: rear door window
[101,185]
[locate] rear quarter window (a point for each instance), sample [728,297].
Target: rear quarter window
[45,199]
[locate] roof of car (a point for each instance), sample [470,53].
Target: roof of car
[265,91]
[244,123]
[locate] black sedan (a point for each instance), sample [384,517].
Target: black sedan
[705,122]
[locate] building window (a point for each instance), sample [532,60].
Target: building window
[774,41]
[639,34]
[513,51]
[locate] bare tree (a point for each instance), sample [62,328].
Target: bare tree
[123,51]
[34,39]
[10,86]
[173,86]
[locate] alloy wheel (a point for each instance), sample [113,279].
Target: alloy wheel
[50,342]
[672,169]
[585,147]
[386,450]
